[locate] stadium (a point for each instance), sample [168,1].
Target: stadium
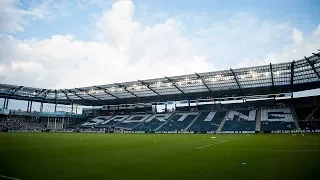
[229,124]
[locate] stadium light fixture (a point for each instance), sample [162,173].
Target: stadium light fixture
[267,74]
[112,89]
[211,79]
[179,83]
[158,84]
[277,73]
[254,74]
[186,80]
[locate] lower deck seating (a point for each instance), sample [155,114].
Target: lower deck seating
[133,121]
[303,112]
[95,121]
[276,126]
[152,123]
[240,121]
[307,120]
[208,121]
[112,121]
[276,119]
[33,126]
[13,124]
[178,122]
[310,125]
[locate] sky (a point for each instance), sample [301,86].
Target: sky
[76,43]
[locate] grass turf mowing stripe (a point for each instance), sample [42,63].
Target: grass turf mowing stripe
[220,142]
[8,177]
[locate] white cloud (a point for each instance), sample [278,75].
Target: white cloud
[317,31]
[10,17]
[297,36]
[127,49]
[290,52]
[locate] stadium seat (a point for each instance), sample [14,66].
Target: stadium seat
[276,119]
[208,121]
[178,122]
[133,121]
[153,122]
[243,120]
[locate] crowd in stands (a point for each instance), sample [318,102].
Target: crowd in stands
[7,124]
[19,125]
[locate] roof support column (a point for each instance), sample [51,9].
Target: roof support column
[174,84]
[7,103]
[313,68]
[4,103]
[28,106]
[236,79]
[272,81]
[148,86]
[203,82]
[41,107]
[165,107]
[292,73]
[55,98]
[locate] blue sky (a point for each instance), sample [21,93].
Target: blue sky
[79,19]
[74,43]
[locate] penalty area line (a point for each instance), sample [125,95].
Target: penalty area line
[312,138]
[8,177]
[219,142]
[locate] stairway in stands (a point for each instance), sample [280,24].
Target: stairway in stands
[144,119]
[195,118]
[172,115]
[121,121]
[258,120]
[312,113]
[223,121]
[295,117]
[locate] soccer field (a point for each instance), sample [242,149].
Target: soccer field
[159,156]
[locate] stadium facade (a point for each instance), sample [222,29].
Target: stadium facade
[131,106]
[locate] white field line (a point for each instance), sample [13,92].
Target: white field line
[219,142]
[272,150]
[313,138]
[7,177]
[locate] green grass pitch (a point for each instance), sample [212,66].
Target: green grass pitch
[78,156]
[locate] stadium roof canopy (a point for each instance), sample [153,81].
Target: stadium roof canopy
[292,76]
